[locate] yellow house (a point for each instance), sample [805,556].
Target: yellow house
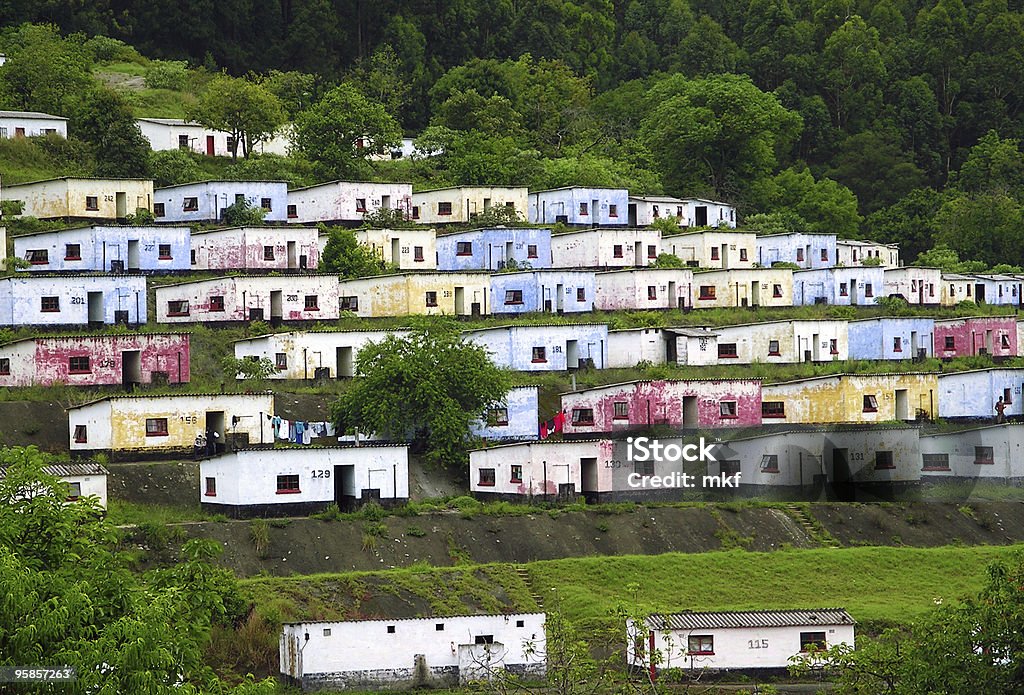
[82,198]
[856,398]
[454,294]
[742,287]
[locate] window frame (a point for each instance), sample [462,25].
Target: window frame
[870,403]
[190,204]
[292,211]
[486,477]
[513,469]
[707,292]
[154,428]
[311,302]
[69,256]
[49,305]
[700,645]
[76,366]
[210,486]
[931,462]
[159,210]
[885,461]
[538,354]
[285,484]
[497,416]
[777,350]
[81,434]
[767,461]
[268,253]
[5,366]
[179,312]
[984,455]
[444,208]
[38,256]
[92,203]
[431,298]
[281,361]
[725,353]
[579,416]
[728,409]
[216,303]
[163,252]
[266,204]
[513,297]
[807,641]
[463,248]
[773,409]
[620,410]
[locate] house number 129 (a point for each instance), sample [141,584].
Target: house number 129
[321,474]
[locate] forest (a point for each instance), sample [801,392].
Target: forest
[889,119]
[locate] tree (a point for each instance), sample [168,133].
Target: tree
[241,214]
[910,222]
[246,111]
[427,386]
[43,72]
[810,205]
[104,120]
[343,254]
[984,227]
[342,129]
[667,260]
[247,368]
[993,165]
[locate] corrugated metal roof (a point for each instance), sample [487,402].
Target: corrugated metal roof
[434,618]
[751,619]
[62,470]
[372,183]
[34,115]
[169,395]
[110,336]
[636,382]
[200,183]
[84,227]
[263,227]
[77,178]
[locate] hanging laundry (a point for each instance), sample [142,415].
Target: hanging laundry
[283,434]
[330,429]
[275,422]
[307,437]
[543,430]
[300,428]
[559,421]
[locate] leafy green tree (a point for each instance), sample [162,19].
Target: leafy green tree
[381,79]
[816,205]
[667,260]
[984,227]
[171,167]
[872,165]
[854,72]
[102,118]
[428,386]
[246,111]
[247,368]
[343,254]
[993,165]
[296,91]
[241,214]
[910,222]
[43,72]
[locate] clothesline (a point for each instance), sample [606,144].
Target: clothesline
[299,431]
[552,426]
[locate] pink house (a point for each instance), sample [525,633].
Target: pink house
[977,335]
[256,249]
[678,404]
[96,360]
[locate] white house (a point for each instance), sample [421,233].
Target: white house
[685,212]
[735,640]
[402,653]
[552,348]
[82,198]
[83,479]
[347,201]
[178,134]
[206,201]
[994,453]
[713,248]
[540,469]
[643,288]
[273,298]
[514,418]
[407,249]
[578,205]
[301,480]
[29,124]
[919,286]
[855,252]
[72,300]
[782,342]
[462,203]
[843,286]
[805,249]
[676,345]
[114,249]
[605,248]
[256,248]
[311,354]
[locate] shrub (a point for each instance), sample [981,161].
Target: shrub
[167,74]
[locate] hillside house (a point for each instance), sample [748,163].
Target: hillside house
[299,481]
[643,288]
[956,288]
[256,249]
[554,348]
[605,248]
[577,205]
[891,338]
[83,479]
[852,398]
[429,293]
[134,426]
[738,288]
[461,204]
[114,249]
[807,250]
[72,300]
[919,286]
[632,346]
[976,335]
[407,249]
[31,124]
[973,394]
[853,252]
[713,248]
[546,470]
[514,418]
[347,202]
[782,342]
[409,653]
[311,354]
[77,198]
[994,453]
[856,286]
[178,134]
[206,201]
[249,298]
[553,291]
[494,248]
[96,360]
[1002,290]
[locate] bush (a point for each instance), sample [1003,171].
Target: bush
[104,49]
[167,74]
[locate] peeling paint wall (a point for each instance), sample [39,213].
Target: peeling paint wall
[347,201]
[995,335]
[737,288]
[82,198]
[853,253]
[845,398]
[974,394]
[466,201]
[166,136]
[272,297]
[521,417]
[549,291]
[627,348]
[806,250]
[576,205]
[452,294]
[858,286]
[993,453]
[32,126]
[1000,290]
[72,300]
[108,249]
[878,339]
[655,288]
[256,248]
[713,249]
[605,248]
[417,248]
[493,249]
[212,197]
[307,351]
[543,467]
[783,342]
[563,346]
[918,286]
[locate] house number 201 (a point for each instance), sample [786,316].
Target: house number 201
[757,644]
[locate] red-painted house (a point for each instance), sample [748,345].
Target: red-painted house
[678,404]
[976,335]
[96,360]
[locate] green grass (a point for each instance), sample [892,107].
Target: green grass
[122,513]
[159,103]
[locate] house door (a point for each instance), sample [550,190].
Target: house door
[595,213]
[396,251]
[755,293]
[210,145]
[216,435]
[460,301]
[121,203]
[841,476]
[725,256]
[632,214]
[854,299]
[292,260]
[638,254]
[815,348]
[133,255]
[276,306]
[588,482]
[345,487]
[559,295]
[95,307]
[689,411]
[131,369]
[979,294]
[344,364]
[671,295]
[572,354]
[700,216]
[988,342]
[902,405]
[496,256]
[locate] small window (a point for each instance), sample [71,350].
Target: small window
[531,251]
[360,204]
[417,254]
[652,251]
[868,290]
[484,639]
[265,204]
[727,409]
[292,212]
[497,417]
[287,484]
[1004,341]
[79,365]
[770,463]
[884,460]
[177,307]
[833,346]
[92,202]
[812,641]
[897,344]
[776,291]
[164,252]
[935,462]
[584,209]
[281,360]
[727,350]
[824,254]
[239,199]
[931,289]
[613,210]
[183,142]
[81,434]
[870,404]
[38,256]
[621,410]
[652,291]
[49,304]
[327,632]
[707,292]
[984,455]
[714,253]
[442,209]
[520,623]
[969,291]
[743,254]
[74,491]
[773,409]
[773,348]
[156,427]
[211,487]
[391,629]
[581,294]
[700,645]
[190,205]
[158,210]
[1007,396]
[72,252]
[617,251]
[431,298]
[540,354]
[583,416]
[513,297]
[415,212]
[644,468]
[486,477]
[349,303]
[268,253]
[843,292]
[950,342]
[439,627]
[311,303]
[800,256]
[516,477]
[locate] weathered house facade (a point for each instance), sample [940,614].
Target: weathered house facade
[713,248]
[429,293]
[81,198]
[311,354]
[605,248]
[643,288]
[994,453]
[738,288]
[460,204]
[31,124]
[855,252]
[178,134]
[494,249]
[553,291]
[249,298]
[891,338]
[407,249]
[206,201]
[546,470]
[555,348]
[807,250]
[514,418]
[104,248]
[976,335]
[783,342]
[919,286]
[256,249]
[973,394]
[72,300]
[855,286]
[347,202]
[577,205]
[852,398]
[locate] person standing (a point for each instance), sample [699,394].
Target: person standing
[1000,408]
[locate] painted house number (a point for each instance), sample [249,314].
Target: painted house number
[292,298]
[106,363]
[556,348]
[613,464]
[757,644]
[108,199]
[189,419]
[78,300]
[321,474]
[405,249]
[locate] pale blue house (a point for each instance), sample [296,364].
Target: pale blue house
[854,286]
[103,248]
[891,338]
[577,205]
[515,418]
[553,291]
[72,300]
[805,249]
[1004,290]
[205,201]
[494,249]
[545,348]
[973,394]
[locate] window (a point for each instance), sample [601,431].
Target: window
[431,298]
[540,354]
[464,248]
[5,365]
[613,210]
[513,297]
[1004,341]
[486,477]
[800,256]
[391,629]
[72,252]
[870,404]
[443,209]
[707,292]
[49,304]
[349,303]
[239,199]
[288,484]
[584,209]
[652,251]
[583,416]
[265,204]
[833,346]
[1007,396]
[516,476]
[156,427]
[868,290]
[327,632]
[281,360]
[812,641]
[92,202]
[773,348]
[727,350]
[884,460]
[617,251]
[484,639]
[229,142]
[417,254]
[74,491]
[727,409]
[714,253]
[531,251]
[360,204]
[211,487]
[183,142]
[158,210]
[581,294]
[292,212]
[652,291]
[776,291]
[824,254]
[38,257]
[497,417]
[935,462]
[913,285]
[164,252]
[79,365]
[897,344]
[268,253]
[773,409]
[968,290]
[950,342]
[743,254]
[621,410]
[770,463]
[931,289]
[311,303]
[439,627]
[415,212]
[700,644]
[984,455]
[644,468]
[842,290]
[177,307]
[190,205]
